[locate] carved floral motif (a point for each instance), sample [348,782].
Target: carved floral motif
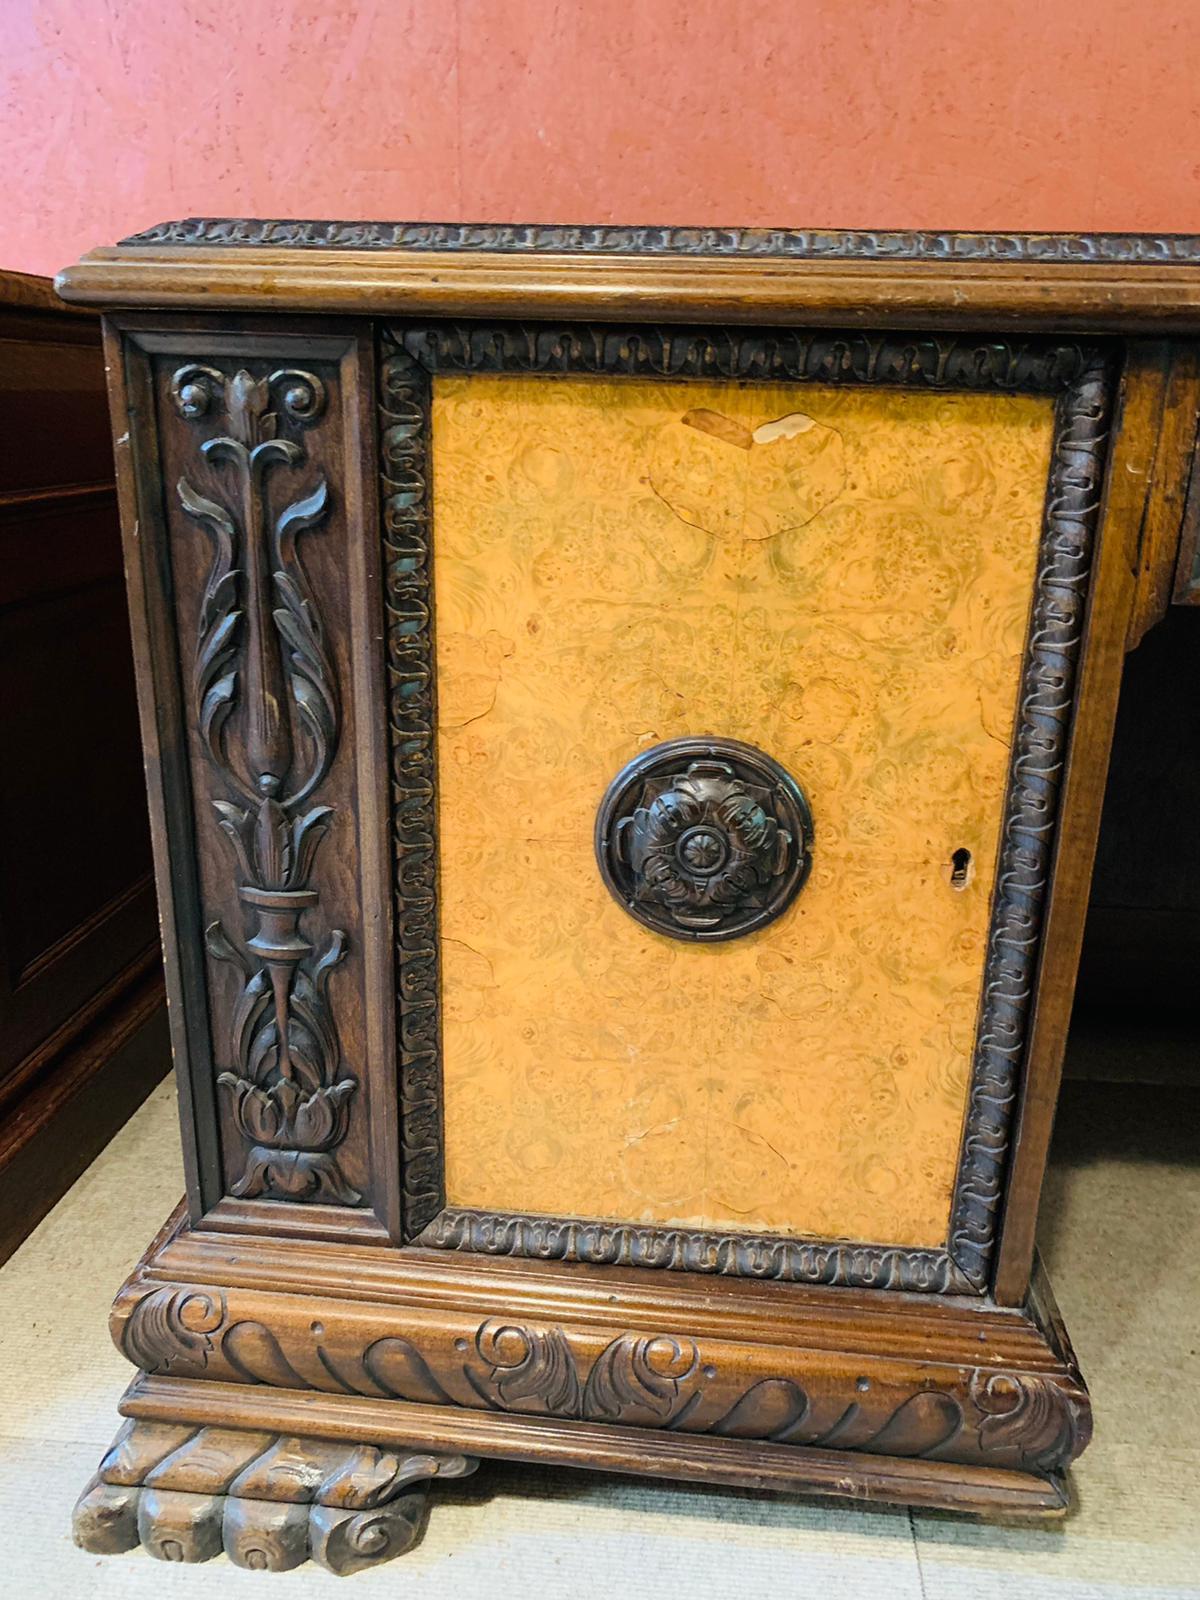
[267,705]
[704,839]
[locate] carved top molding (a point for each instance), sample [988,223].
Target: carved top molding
[1098,282]
[796,244]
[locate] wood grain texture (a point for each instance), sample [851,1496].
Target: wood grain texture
[1150,293]
[1186,587]
[1164,522]
[608,576]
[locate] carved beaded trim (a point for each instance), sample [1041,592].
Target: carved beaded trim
[806,244]
[1080,376]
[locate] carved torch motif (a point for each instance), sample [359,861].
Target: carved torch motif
[267,705]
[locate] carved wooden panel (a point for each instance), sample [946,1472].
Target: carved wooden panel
[999,497]
[272,610]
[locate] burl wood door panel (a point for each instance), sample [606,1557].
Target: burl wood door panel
[840,576]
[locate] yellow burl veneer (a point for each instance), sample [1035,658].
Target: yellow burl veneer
[841,577]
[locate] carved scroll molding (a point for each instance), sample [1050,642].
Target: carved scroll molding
[1033,1420]
[269,1502]
[661,1382]
[750,1255]
[1041,740]
[408,601]
[785,355]
[1079,375]
[267,708]
[798,244]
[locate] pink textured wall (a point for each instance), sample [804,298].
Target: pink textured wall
[856,113]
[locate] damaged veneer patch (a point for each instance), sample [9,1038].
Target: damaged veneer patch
[719,473]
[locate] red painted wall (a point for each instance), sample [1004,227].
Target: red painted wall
[1053,114]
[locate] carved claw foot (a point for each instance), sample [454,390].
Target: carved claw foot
[188,1493]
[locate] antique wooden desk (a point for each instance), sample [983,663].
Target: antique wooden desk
[83,1030]
[619,1024]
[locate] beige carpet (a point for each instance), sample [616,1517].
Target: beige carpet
[1121,1235]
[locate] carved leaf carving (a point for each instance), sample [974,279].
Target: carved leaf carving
[529,1368]
[633,1374]
[172,1325]
[1038,1421]
[1032,1415]
[289,1095]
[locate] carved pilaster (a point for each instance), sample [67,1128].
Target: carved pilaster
[266,700]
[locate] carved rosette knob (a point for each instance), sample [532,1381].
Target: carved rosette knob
[704,838]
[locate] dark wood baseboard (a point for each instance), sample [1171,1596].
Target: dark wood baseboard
[78,1102]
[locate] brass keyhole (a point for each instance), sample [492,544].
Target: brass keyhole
[961,864]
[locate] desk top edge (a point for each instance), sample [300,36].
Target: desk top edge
[1112,282]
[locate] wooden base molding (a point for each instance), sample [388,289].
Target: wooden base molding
[646,1452]
[935,1402]
[269,1501]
